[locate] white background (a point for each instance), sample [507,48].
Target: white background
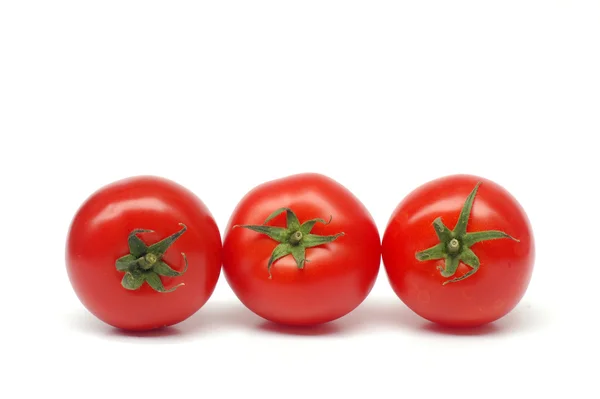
[221,96]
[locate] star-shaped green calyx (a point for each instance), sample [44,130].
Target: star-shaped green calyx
[144,263]
[455,245]
[293,239]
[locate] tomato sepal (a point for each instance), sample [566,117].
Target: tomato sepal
[137,247]
[293,239]
[454,245]
[144,263]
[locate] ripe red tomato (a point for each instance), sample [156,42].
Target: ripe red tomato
[143,253]
[459,251]
[301,250]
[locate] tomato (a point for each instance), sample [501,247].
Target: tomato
[459,251]
[301,250]
[143,253]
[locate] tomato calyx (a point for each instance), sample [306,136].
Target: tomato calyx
[144,263]
[293,239]
[455,245]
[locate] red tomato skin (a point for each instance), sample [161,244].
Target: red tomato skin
[98,237]
[506,266]
[337,277]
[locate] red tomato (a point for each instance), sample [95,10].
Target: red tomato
[323,244]
[459,251]
[143,253]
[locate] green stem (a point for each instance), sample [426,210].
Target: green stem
[296,238]
[453,246]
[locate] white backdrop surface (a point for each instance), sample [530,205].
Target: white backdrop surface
[221,96]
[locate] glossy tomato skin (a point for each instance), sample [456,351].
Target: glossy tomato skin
[337,277]
[98,237]
[506,265]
